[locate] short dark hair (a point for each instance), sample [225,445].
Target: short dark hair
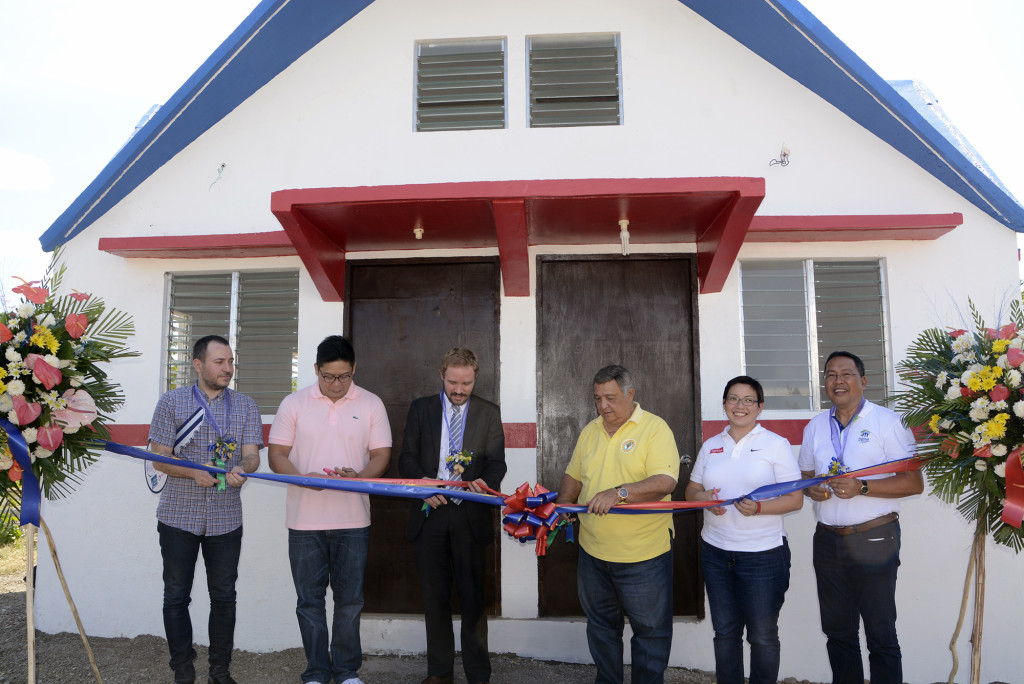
[619,374]
[335,348]
[744,380]
[201,345]
[849,355]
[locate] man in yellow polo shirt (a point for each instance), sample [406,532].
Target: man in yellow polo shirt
[625,455]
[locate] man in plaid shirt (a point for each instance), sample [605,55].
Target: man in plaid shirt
[199,510]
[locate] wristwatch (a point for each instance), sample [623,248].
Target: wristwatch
[623,494]
[863,487]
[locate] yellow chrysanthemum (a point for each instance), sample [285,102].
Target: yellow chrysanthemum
[975,382]
[1000,346]
[44,339]
[934,422]
[996,428]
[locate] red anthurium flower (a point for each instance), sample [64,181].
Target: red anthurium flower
[966,392]
[999,393]
[1014,357]
[5,333]
[50,437]
[81,409]
[1004,333]
[79,296]
[956,333]
[981,452]
[25,410]
[36,295]
[42,372]
[75,324]
[15,472]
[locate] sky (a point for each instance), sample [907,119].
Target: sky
[76,77]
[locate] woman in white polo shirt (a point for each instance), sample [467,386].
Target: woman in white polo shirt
[744,554]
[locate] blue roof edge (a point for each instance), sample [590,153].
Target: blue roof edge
[890,117]
[818,63]
[314,20]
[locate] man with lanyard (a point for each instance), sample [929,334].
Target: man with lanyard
[448,438]
[857,541]
[210,424]
[625,455]
[338,427]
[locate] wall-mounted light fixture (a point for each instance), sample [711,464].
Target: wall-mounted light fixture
[624,236]
[418,231]
[783,159]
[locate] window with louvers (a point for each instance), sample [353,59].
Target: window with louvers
[849,310]
[256,311]
[574,81]
[460,85]
[781,328]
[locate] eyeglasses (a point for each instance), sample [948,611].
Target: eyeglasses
[732,400]
[848,376]
[331,379]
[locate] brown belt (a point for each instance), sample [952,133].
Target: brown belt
[843,530]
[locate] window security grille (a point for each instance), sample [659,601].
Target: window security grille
[256,311]
[574,81]
[780,328]
[460,85]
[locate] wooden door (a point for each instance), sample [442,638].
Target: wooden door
[402,317]
[639,312]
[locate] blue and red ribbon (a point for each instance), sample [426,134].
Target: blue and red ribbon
[30,495]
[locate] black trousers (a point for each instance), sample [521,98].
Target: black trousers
[445,551]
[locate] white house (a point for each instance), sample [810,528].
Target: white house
[420,174]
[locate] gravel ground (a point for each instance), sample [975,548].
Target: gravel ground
[62,659]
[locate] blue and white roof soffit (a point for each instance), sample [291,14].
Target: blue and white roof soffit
[783,32]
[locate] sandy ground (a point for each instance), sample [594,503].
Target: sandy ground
[62,659]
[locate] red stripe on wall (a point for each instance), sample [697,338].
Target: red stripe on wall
[792,429]
[517,435]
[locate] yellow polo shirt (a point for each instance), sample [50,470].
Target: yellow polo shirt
[643,446]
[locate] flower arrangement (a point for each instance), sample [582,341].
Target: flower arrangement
[53,388]
[964,399]
[457,461]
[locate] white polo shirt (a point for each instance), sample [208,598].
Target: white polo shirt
[736,468]
[876,435]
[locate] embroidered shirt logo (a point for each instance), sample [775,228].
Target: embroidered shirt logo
[719,450]
[628,446]
[864,437]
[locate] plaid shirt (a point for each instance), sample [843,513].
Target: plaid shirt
[183,504]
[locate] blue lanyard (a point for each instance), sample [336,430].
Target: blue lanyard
[201,400]
[839,440]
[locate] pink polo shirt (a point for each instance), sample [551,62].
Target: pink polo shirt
[327,434]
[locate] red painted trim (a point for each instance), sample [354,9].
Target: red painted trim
[718,247]
[520,435]
[232,245]
[517,435]
[852,228]
[323,258]
[286,200]
[513,246]
[792,428]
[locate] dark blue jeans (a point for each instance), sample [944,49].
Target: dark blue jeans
[643,593]
[746,589]
[338,558]
[856,577]
[180,550]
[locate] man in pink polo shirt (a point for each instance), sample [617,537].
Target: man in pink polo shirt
[333,424]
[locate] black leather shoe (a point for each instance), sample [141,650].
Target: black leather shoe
[221,679]
[433,679]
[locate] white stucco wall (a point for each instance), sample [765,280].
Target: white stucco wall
[695,104]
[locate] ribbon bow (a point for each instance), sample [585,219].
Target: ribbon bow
[530,514]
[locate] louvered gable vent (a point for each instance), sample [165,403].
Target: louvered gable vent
[574,81]
[460,85]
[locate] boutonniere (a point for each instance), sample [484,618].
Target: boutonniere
[457,461]
[223,450]
[835,467]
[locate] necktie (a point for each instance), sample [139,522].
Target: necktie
[455,439]
[455,429]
